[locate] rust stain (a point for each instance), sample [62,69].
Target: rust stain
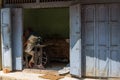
[6,70]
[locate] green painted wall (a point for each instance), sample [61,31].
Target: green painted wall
[52,22]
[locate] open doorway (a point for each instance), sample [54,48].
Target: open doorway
[51,27]
[15,23]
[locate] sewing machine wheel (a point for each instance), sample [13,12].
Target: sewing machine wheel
[44,59]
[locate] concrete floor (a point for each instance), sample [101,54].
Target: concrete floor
[27,76]
[30,75]
[37,74]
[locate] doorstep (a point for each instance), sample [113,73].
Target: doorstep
[27,76]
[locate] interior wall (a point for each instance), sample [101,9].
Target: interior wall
[0,3]
[50,23]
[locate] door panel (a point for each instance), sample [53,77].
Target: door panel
[89,40]
[114,10]
[6,38]
[89,13]
[115,63]
[89,48]
[102,49]
[101,40]
[75,40]
[102,62]
[102,34]
[114,56]
[89,34]
[101,13]
[17,31]
[115,50]
[89,61]
[115,31]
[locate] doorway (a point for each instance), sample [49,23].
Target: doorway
[52,25]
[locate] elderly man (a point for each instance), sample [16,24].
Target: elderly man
[29,44]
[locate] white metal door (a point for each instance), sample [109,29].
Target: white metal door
[17,33]
[114,38]
[88,39]
[6,38]
[75,40]
[101,40]
[0,45]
